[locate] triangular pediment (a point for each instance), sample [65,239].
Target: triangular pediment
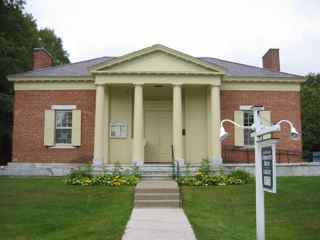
[157,59]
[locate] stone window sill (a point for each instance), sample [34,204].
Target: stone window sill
[62,147]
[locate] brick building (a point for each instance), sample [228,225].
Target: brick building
[134,108]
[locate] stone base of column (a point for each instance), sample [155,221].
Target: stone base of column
[138,163]
[97,164]
[215,161]
[180,161]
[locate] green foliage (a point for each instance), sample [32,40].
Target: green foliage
[19,35]
[244,176]
[310,102]
[49,40]
[205,167]
[81,172]
[202,179]
[106,180]
[84,177]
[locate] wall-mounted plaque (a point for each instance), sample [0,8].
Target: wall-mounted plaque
[119,129]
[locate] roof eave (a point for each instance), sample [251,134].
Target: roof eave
[297,79]
[12,78]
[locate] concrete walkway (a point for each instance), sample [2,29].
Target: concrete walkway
[158,224]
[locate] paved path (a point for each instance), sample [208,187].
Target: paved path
[158,224]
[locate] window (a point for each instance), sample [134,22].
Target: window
[63,126]
[248,121]
[119,130]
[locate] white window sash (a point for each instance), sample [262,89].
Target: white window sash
[62,127]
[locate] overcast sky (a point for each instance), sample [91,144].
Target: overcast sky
[240,31]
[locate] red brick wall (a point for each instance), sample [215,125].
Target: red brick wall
[29,122]
[29,116]
[283,105]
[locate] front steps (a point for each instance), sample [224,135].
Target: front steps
[157,194]
[157,172]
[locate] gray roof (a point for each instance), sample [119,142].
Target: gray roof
[234,69]
[79,69]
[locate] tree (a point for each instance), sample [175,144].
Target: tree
[53,44]
[18,37]
[310,102]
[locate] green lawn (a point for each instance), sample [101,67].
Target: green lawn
[46,208]
[228,212]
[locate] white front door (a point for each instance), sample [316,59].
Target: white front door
[158,134]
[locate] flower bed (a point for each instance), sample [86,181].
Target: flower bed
[204,177]
[84,177]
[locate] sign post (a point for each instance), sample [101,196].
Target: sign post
[260,214]
[265,160]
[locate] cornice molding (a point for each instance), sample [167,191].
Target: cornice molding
[52,79]
[155,73]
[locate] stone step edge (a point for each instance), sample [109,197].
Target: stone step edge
[159,201]
[155,196]
[157,190]
[173,193]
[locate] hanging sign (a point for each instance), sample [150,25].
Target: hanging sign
[268,159]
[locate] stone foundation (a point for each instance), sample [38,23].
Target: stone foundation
[62,169]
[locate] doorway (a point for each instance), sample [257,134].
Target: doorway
[158,131]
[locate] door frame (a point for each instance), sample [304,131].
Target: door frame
[157,106]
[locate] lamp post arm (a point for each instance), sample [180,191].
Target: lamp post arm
[234,123]
[285,121]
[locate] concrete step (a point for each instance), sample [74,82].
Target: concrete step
[156,190]
[158,203]
[162,194]
[157,196]
[157,187]
[157,177]
[168,173]
[161,173]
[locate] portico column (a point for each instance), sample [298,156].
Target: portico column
[214,146]
[138,126]
[177,123]
[98,127]
[106,124]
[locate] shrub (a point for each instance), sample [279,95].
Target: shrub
[81,172]
[205,167]
[244,176]
[203,178]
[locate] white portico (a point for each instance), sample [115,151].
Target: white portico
[153,92]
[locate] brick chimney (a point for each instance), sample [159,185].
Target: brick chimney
[271,60]
[41,58]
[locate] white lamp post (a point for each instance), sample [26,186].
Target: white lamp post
[259,130]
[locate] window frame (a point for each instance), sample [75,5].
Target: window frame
[245,141]
[66,107]
[62,127]
[120,124]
